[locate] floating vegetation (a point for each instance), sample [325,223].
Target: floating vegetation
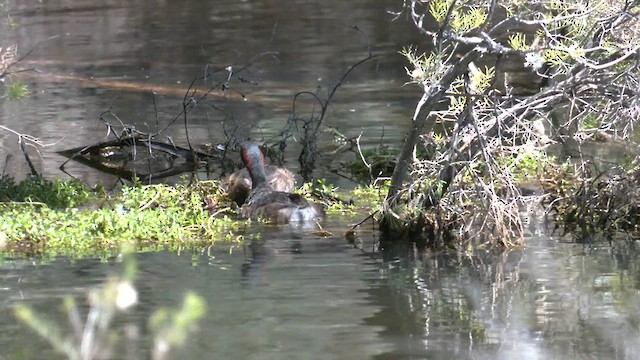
[46,218]
[42,217]
[54,194]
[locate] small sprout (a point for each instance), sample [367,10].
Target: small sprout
[426,68]
[481,80]
[463,22]
[17,91]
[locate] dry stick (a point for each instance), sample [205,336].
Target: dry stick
[34,172]
[310,136]
[24,140]
[189,99]
[6,72]
[191,89]
[6,164]
[222,84]
[339,83]
[364,161]
[370,216]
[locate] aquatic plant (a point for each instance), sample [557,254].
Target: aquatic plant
[55,194]
[49,218]
[329,195]
[41,217]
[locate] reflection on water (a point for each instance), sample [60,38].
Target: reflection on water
[290,295]
[289,298]
[95,56]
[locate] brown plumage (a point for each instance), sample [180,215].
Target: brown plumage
[267,203]
[238,184]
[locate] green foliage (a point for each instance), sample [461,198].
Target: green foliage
[591,121]
[456,102]
[328,195]
[439,9]
[555,57]
[481,80]
[17,91]
[55,194]
[463,22]
[578,29]
[518,41]
[463,18]
[41,217]
[147,216]
[426,68]
[529,166]
[319,185]
[371,195]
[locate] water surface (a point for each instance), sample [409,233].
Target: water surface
[291,295]
[138,58]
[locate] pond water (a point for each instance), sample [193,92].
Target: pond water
[295,296]
[138,58]
[290,295]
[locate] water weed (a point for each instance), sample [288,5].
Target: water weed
[52,218]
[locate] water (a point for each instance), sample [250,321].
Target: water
[114,55]
[291,296]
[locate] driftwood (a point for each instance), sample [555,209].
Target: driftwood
[124,156]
